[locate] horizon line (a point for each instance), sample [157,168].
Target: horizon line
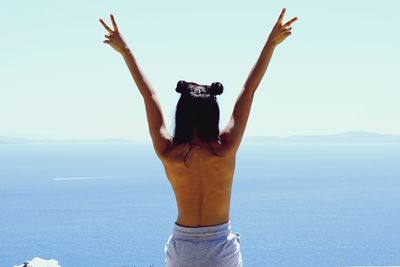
[118,139]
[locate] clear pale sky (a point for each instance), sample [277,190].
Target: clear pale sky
[337,72]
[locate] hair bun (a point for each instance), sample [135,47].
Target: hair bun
[216,88]
[181,86]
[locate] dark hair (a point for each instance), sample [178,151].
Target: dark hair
[197,109]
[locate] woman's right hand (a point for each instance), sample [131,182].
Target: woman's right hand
[280,32]
[114,37]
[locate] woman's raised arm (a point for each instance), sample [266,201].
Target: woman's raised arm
[158,131]
[233,132]
[278,34]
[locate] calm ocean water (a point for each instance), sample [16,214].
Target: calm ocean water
[111,204]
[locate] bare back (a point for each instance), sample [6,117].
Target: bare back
[203,189]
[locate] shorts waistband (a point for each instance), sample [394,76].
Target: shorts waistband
[202,232]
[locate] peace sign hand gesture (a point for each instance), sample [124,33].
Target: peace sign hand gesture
[114,37]
[280,32]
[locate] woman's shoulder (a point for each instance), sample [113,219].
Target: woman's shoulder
[214,149]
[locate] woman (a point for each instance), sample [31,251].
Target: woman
[201,179]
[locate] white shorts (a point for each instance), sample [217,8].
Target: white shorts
[203,246]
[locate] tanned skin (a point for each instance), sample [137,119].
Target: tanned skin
[202,191]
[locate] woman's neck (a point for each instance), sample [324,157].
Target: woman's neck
[196,140]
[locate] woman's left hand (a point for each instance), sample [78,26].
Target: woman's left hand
[281,31]
[114,37]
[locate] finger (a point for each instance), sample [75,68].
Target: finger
[281,15]
[113,22]
[108,36]
[286,28]
[105,25]
[290,22]
[107,41]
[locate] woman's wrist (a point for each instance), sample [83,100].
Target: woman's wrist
[271,43]
[125,51]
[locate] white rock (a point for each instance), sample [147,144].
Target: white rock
[39,262]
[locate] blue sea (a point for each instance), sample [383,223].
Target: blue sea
[110,204]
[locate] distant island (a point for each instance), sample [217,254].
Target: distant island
[346,137]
